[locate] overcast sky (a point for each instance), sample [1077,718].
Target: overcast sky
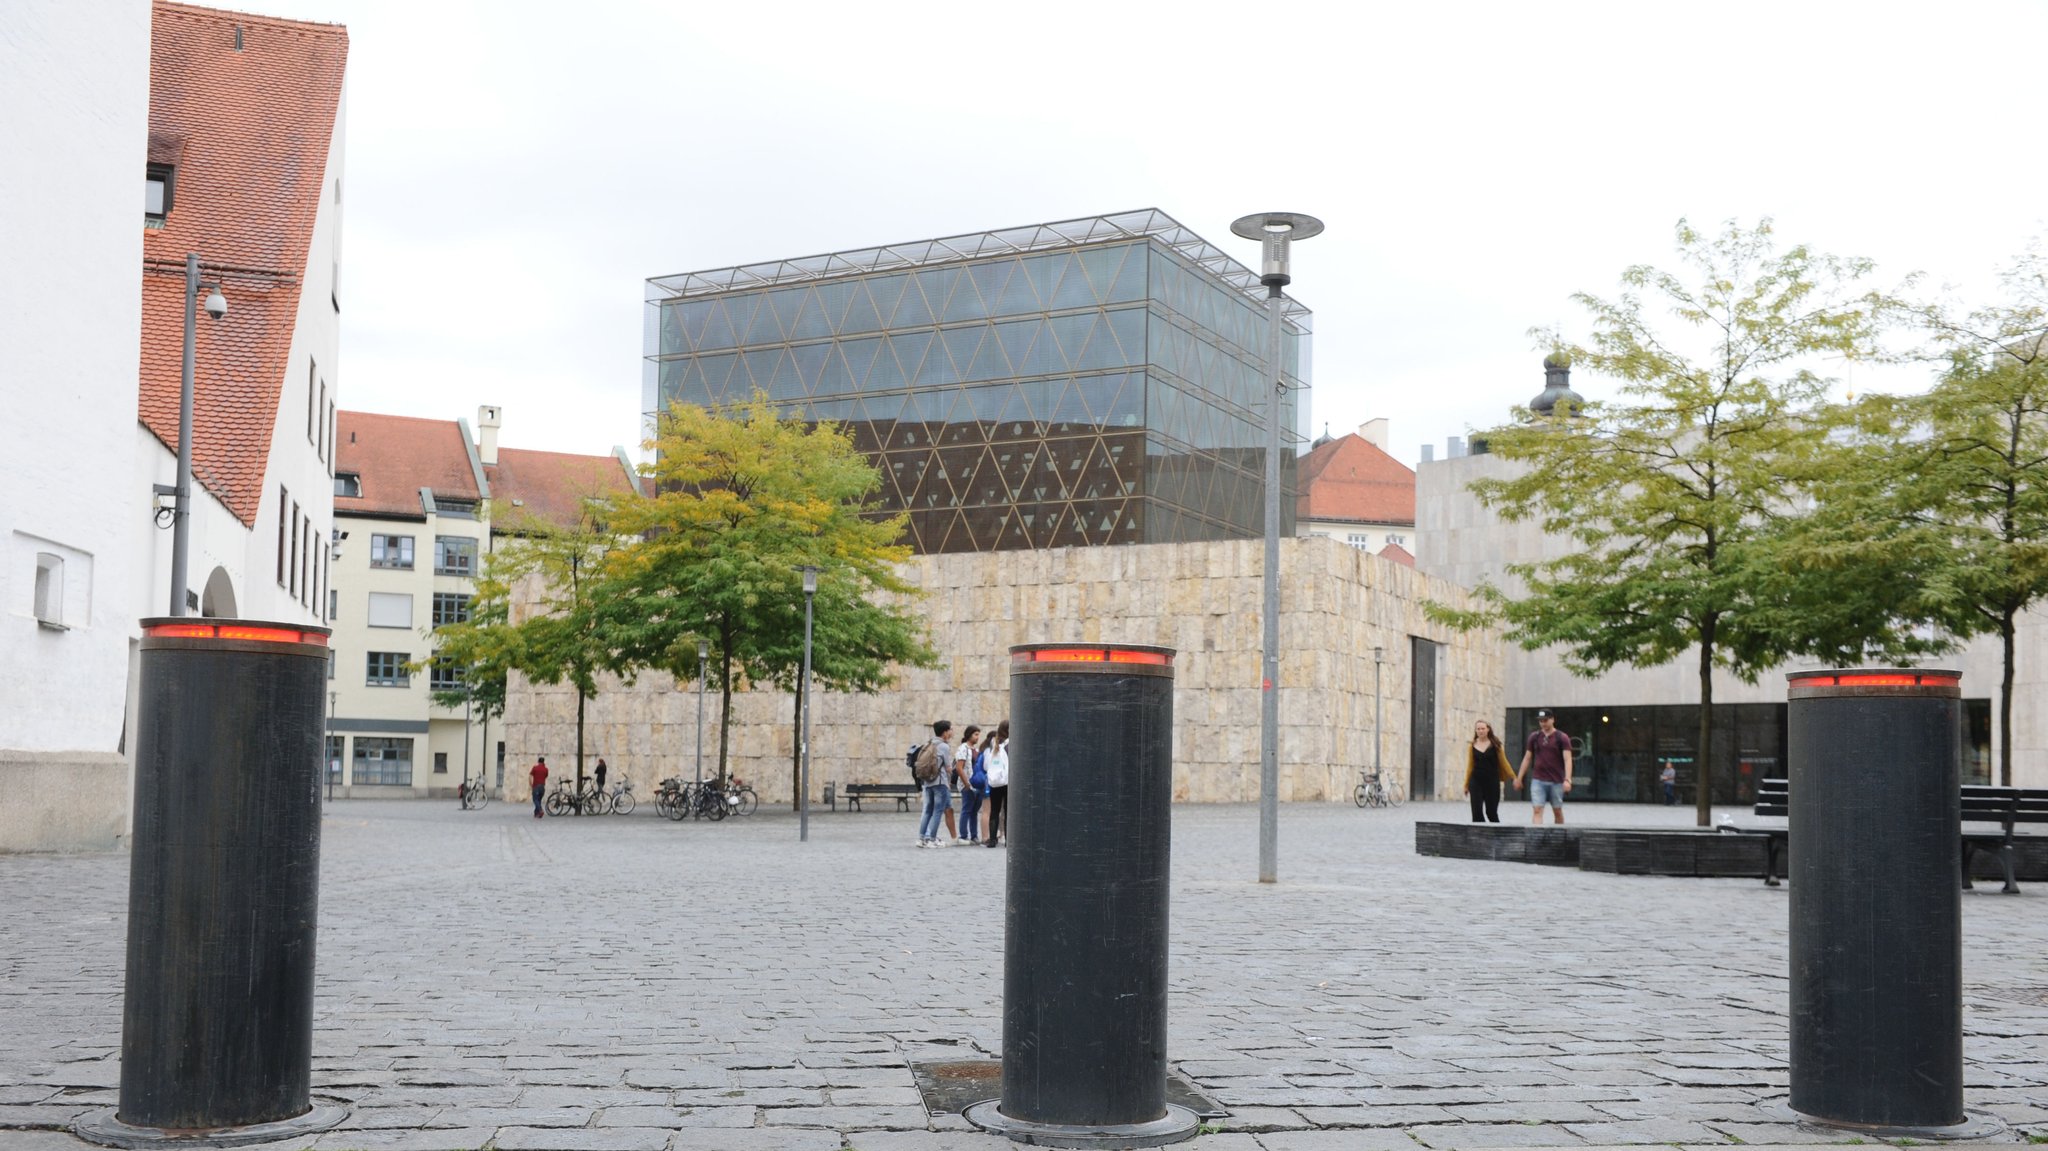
[516,171]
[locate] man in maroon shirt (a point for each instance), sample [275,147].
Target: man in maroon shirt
[537,777]
[1550,750]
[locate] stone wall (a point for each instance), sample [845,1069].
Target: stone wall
[1201,599]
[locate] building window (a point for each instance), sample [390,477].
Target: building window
[296,519]
[390,609]
[390,551]
[1358,540]
[330,659]
[454,555]
[330,437]
[312,413]
[49,601]
[382,760]
[450,607]
[320,425]
[440,763]
[333,605]
[337,747]
[348,484]
[159,186]
[284,502]
[387,669]
[444,676]
[306,562]
[1398,541]
[455,509]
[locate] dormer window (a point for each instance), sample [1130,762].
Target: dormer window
[157,193]
[348,484]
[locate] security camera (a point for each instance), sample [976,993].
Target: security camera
[216,304]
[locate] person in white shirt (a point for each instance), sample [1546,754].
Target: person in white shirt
[998,769]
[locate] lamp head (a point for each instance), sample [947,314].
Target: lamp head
[703,650]
[216,304]
[1274,230]
[810,580]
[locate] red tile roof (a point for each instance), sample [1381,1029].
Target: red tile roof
[250,130]
[1351,481]
[396,456]
[1398,554]
[549,486]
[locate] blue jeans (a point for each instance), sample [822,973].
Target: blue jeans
[970,814]
[937,798]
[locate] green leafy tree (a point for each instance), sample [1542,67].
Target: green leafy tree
[1976,476]
[480,650]
[743,500]
[1675,497]
[562,635]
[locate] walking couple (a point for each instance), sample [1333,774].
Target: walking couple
[979,767]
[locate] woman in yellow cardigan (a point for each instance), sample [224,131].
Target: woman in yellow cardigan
[1486,768]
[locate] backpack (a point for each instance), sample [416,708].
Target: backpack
[924,763]
[910,761]
[978,779]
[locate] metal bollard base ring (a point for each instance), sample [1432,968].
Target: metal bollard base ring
[1179,1123]
[1976,1125]
[105,1128]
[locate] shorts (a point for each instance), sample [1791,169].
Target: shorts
[1546,792]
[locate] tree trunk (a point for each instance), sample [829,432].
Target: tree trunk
[724,713]
[1704,750]
[2005,630]
[579,741]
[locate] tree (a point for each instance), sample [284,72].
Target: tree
[743,501]
[565,638]
[480,650]
[1978,480]
[1675,496]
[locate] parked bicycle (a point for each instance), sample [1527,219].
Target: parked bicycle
[571,799]
[473,794]
[1377,790]
[619,800]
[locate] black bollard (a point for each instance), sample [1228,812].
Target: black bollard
[1875,762]
[217,1026]
[1084,974]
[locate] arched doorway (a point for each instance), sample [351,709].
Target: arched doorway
[218,600]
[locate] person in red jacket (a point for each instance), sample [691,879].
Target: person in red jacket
[538,777]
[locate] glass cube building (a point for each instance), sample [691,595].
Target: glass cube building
[1094,381]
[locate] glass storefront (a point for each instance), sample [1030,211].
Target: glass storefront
[1092,393]
[1618,752]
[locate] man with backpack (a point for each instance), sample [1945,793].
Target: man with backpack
[929,767]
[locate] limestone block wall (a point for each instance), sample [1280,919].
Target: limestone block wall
[1201,599]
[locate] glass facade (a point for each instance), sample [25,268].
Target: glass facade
[1093,382]
[1619,751]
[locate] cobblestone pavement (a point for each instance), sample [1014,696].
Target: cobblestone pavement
[489,980]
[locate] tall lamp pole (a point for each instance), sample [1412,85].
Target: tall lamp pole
[1274,231]
[1377,739]
[803,800]
[181,492]
[703,657]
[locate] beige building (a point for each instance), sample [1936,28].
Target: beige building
[414,502]
[1202,599]
[1353,491]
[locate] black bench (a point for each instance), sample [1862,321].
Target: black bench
[2004,806]
[902,793]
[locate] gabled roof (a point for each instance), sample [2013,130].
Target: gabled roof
[550,486]
[396,456]
[1398,554]
[1350,480]
[249,129]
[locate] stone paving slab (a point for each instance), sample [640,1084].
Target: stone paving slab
[769,996]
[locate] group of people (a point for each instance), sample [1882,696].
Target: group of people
[977,768]
[1546,765]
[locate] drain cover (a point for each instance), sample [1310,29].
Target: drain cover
[953,1086]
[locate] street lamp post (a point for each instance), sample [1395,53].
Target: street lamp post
[703,656]
[1274,231]
[1377,738]
[181,492]
[803,801]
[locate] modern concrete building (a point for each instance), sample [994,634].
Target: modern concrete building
[1354,492]
[1627,722]
[75,82]
[1092,381]
[419,506]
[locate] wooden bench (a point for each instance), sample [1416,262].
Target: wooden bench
[902,793]
[2005,806]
